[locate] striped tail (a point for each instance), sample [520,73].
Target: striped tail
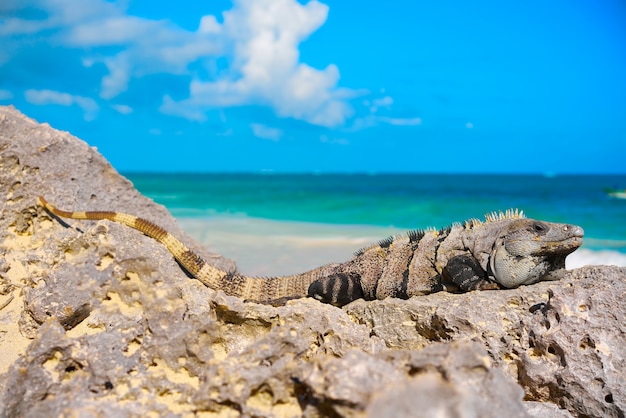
[196,266]
[275,291]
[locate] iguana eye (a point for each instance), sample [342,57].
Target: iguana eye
[539,228]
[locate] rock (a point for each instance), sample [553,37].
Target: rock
[97,319]
[577,342]
[545,410]
[441,380]
[562,341]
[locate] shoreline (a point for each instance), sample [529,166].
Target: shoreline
[265,247]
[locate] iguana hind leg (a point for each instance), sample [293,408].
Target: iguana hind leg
[337,289]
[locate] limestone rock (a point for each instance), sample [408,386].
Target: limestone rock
[562,341]
[98,320]
[441,380]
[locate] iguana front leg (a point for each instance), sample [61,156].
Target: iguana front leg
[465,272]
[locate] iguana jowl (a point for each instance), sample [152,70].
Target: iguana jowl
[506,250]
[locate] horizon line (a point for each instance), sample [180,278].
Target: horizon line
[365,173]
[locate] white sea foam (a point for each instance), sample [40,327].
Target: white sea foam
[266,248]
[584,257]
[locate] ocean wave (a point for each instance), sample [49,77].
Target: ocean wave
[585,257]
[268,247]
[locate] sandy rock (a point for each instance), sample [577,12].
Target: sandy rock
[545,410]
[562,341]
[576,345]
[98,320]
[441,380]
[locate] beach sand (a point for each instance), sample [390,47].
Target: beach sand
[265,247]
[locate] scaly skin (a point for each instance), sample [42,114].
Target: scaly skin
[505,251]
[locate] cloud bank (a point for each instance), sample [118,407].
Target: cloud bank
[263,36]
[265,132]
[247,56]
[42,97]
[259,39]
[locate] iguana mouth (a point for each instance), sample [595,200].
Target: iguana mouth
[564,246]
[577,233]
[575,241]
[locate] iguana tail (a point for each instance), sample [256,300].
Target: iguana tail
[273,291]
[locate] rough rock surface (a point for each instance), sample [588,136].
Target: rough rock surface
[98,320]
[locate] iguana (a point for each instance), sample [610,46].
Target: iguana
[504,251]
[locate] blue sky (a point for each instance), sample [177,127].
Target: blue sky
[330,86]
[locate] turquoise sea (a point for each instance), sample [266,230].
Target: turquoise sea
[221,209]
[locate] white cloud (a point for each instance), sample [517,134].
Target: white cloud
[5,95]
[265,132]
[145,46]
[183,110]
[123,109]
[15,26]
[227,132]
[259,40]
[113,30]
[116,81]
[208,24]
[265,36]
[58,14]
[149,47]
[259,37]
[401,121]
[385,102]
[336,141]
[374,120]
[45,97]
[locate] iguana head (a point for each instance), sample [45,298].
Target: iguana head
[527,251]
